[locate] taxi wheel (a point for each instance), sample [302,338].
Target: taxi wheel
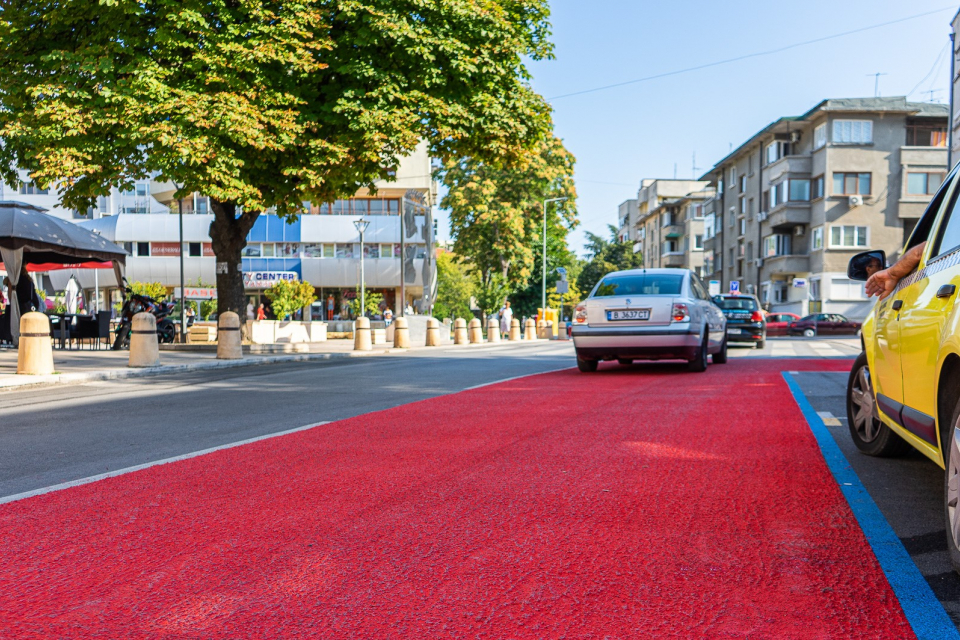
[721,356]
[951,488]
[871,436]
[699,362]
[586,366]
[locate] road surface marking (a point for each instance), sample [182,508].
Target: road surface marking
[487,384]
[147,465]
[828,419]
[924,612]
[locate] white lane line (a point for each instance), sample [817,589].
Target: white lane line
[487,384]
[139,467]
[828,419]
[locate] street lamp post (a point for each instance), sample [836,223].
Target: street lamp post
[361,226]
[544,261]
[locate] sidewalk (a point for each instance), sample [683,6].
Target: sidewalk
[78,366]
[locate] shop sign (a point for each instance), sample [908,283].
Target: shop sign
[196,293]
[266,279]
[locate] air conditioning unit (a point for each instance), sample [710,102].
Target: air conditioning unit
[762,216]
[794,136]
[855,201]
[798,230]
[758,262]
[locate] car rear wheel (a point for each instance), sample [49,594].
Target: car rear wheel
[869,434]
[586,366]
[809,333]
[720,357]
[625,361]
[761,342]
[699,361]
[951,487]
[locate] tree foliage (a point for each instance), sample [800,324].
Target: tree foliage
[455,287]
[155,290]
[371,300]
[606,256]
[490,292]
[496,208]
[261,104]
[288,296]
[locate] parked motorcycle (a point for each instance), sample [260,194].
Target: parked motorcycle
[136,303]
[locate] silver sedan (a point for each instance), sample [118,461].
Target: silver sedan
[649,314]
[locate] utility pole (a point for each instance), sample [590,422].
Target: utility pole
[361,226]
[543,264]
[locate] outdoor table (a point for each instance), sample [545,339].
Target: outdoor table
[66,320]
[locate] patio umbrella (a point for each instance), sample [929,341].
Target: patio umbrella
[28,235]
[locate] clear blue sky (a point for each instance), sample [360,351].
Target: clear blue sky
[642,130]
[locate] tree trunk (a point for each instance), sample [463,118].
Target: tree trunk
[228,236]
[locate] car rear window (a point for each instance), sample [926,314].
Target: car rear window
[747,304]
[647,284]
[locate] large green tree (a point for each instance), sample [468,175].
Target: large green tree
[496,208]
[261,104]
[455,287]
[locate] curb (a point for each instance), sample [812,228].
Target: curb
[247,361]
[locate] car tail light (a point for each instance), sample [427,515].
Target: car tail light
[680,313]
[580,313]
[756,316]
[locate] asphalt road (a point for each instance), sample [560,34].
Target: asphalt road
[908,491]
[61,434]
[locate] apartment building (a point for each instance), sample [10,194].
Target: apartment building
[669,227]
[627,221]
[794,202]
[321,247]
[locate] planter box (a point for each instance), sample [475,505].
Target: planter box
[287,331]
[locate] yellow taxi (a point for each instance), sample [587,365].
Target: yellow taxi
[904,389]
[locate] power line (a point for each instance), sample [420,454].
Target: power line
[753,55]
[936,64]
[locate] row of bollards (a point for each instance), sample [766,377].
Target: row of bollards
[35,351]
[463,333]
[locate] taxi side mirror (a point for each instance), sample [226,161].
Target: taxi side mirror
[863,265]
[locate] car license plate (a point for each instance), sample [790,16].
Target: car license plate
[734,332]
[628,314]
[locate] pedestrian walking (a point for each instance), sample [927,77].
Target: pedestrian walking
[506,318]
[250,312]
[261,312]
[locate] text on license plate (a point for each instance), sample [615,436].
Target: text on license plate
[629,314]
[734,332]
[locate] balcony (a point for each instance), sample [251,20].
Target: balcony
[789,215]
[923,157]
[672,231]
[797,166]
[793,264]
[669,260]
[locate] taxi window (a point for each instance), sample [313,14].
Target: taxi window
[949,237]
[647,284]
[921,233]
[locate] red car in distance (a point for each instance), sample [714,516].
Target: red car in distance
[778,323]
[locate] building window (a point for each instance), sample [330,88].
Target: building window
[780,292]
[820,136]
[344,250]
[371,250]
[698,242]
[848,184]
[143,249]
[844,289]
[777,194]
[268,250]
[923,184]
[816,239]
[844,236]
[251,251]
[743,226]
[718,227]
[816,188]
[196,250]
[31,189]
[925,135]
[852,132]
[799,190]
[743,184]
[742,205]
[777,244]
[771,153]
[733,175]
[329,251]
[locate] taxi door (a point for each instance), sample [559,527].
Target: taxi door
[928,302]
[885,369]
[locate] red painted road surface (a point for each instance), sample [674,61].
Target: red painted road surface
[632,503]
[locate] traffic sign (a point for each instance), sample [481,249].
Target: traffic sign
[714,287]
[734,286]
[799,282]
[563,286]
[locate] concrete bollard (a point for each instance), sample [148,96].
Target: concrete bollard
[144,348]
[530,329]
[514,330]
[35,351]
[229,345]
[493,330]
[459,331]
[361,335]
[541,330]
[548,330]
[433,332]
[475,331]
[401,334]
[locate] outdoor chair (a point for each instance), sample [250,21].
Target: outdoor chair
[95,329]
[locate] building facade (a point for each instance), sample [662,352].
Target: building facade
[794,202]
[321,247]
[669,227]
[627,221]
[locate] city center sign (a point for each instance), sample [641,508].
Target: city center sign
[266,279]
